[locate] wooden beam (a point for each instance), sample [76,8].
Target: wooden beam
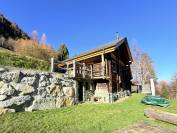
[83,70]
[102,64]
[110,75]
[162,116]
[91,68]
[74,68]
[106,63]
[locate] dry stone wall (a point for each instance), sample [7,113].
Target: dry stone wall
[28,91]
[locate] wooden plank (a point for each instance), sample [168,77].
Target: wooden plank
[110,75]
[162,116]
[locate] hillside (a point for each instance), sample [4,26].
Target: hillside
[9,29]
[9,58]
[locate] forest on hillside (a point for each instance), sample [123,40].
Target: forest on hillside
[11,30]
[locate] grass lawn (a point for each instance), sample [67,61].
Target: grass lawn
[88,117]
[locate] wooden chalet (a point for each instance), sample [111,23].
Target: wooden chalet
[102,74]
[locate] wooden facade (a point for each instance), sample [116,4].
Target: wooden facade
[105,71]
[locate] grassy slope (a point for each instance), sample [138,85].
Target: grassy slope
[82,118]
[9,58]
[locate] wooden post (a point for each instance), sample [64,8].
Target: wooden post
[83,70]
[106,63]
[74,68]
[67,67]
[102,63]
[110,81]
[76,91]
[152,87]
[52,64]
[91,69]
[84,88]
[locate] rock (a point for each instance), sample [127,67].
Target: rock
[55,80]
[3,97]
[2,70]
[42,104]
[43,81]
[68,101]
[29,80]
[10,76]
[60,102]
[1,84]
[42,91]
[15,101]
[7,89]
[6,110]
[67,82]
[69,91]
[55,90]
[24,89]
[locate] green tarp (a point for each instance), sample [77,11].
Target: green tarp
[156,101]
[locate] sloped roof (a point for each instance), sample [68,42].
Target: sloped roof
[113,44]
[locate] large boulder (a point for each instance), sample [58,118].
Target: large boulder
[69,91]
[3,97]
[15,101]
[55,90]
[42,104]
[42,91]
[7,89]
[6,110]
[24,89]
[11,76]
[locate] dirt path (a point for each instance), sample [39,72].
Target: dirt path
[144,128]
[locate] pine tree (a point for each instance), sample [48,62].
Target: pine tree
[63,52]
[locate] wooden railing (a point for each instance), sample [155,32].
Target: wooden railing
[81,70]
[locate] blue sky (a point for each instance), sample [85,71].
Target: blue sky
[85,24]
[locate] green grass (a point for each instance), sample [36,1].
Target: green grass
[88,117]
[9,58]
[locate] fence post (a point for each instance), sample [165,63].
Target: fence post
[52,64]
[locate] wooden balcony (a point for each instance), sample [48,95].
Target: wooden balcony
[81,70]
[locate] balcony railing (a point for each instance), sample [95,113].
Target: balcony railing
[81,70]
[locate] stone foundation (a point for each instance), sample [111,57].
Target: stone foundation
[28,91]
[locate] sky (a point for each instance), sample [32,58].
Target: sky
[86,24]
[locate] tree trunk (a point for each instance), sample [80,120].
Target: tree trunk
[162,116]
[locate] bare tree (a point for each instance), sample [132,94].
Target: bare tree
[35,35]
[142,66]
[173,89]
[43,39]
[163,88]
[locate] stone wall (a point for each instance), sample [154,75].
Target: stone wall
[28,91]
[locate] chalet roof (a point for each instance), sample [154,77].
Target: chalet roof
[113,44]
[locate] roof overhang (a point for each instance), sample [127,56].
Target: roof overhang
[97,52]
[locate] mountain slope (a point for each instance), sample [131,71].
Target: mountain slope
[9,29]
